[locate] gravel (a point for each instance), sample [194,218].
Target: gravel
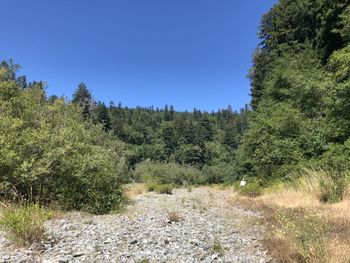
[208,229]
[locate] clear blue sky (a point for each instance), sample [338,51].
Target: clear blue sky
[188,53]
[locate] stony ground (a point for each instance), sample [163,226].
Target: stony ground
[209,229]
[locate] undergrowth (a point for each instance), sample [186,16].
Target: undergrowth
[24,224]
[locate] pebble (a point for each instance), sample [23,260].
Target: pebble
[144,232]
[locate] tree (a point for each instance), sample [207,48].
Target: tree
[102,116]
[83,98]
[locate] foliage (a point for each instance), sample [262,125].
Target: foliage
[307,231]
[24,224]
[192,138]
[167,173]
[252,189]
[50,154]
[164,189]
[300,93]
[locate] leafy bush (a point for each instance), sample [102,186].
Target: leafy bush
[165,189]
[168,173]
[151,187]
[252,189]
[50,154]
[218,174]
[25,224]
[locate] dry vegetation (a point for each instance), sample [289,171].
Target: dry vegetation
[174,216]
[301,228]
[133,190]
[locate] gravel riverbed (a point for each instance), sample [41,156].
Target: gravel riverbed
[207,228]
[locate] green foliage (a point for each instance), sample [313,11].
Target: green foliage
[151,186]
[164,189]
[24,224]
[218,174]
[300,92]
[83,98]
[272,142]
[252,189]
[167,173]
[49,154]
[332,189]
[164,135]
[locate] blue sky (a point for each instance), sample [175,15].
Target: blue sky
[188,53]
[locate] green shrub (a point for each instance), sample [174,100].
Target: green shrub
[50,154]
[151,187]
[252,189]
[168,173]
[165,189]
[216,174]
[24,224]
[332,189]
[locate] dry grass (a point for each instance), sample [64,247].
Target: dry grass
[173,216]
[300,228]
[133,190]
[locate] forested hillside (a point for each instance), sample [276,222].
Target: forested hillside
[300,91]
[188,138]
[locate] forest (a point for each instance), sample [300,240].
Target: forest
[77,153]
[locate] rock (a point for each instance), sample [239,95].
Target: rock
[133,242]
[78,254]
[143,232]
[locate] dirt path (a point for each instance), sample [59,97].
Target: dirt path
[209,229]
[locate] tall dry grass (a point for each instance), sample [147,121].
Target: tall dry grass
[300,227]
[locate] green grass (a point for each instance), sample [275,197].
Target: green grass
[165,189]
[24,224]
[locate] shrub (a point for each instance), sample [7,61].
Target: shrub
[151,187]
[168,173]
[164,189]
[332,189]
[25,224]
[174,217]
[252,189]
[217,174]
[50,154]
[327,186]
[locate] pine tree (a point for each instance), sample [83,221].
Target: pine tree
[83,98]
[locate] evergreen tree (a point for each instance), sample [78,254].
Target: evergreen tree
[83,98]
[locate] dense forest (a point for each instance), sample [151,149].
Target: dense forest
[77,153]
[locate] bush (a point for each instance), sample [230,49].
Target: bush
[218,174]
[168,173]
[332,190]
[25,224]
[252,189]
[50,154]
[327,186]
[164,189]
[151,187]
